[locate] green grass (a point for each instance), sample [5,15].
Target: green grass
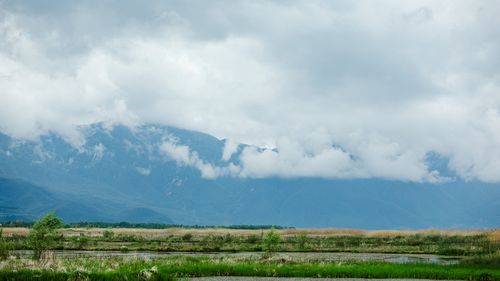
[467,245]
[63,276]
[370,270]
[490,260]
[170,268]
[464,245]
[482,261]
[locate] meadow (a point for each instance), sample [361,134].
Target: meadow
[171,268]
[442,242]
[277,253]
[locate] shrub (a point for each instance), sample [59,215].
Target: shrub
[271,241]
[108,234]
[44,235]
[252,239]
[228,238]
[187,237]
[80,241]
[302,240]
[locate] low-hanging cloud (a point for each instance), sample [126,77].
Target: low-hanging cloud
[333,89]
[184,156]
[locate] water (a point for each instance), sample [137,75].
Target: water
[325,257]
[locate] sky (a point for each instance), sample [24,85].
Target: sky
[333,89]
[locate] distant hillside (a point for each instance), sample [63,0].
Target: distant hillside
[122,175]
[23,201]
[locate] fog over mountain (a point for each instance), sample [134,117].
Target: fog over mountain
[308,113]
[163,174]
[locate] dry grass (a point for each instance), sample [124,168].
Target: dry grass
[9,231]
[380,233]
[494,235]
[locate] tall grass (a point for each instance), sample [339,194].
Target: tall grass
[365,270]
[29,275]
[113,268]
[489,260]
[245,232]
[465,243]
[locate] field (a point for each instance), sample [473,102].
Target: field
[290,240]
[276,253]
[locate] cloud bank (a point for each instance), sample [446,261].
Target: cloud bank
[335,89]
[184,156]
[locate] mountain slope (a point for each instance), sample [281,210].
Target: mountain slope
[20,200]
[123,174]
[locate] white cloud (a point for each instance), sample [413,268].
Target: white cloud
[97,151]
[330,163]
[230,147]
[143,171]
[340,89]
[183,156]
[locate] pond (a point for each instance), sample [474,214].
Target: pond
[295,256]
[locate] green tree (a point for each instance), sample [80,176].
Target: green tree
[271,241]
[44,235]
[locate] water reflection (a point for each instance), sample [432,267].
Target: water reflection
[325,257]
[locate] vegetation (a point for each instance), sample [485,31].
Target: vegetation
[480,251]
[44,235]
[112,268]
[489,259]
[144,225]
[271,242]
[29,275]
[210,240]
[5,246]
[194,268]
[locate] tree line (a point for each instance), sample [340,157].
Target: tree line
[142,225]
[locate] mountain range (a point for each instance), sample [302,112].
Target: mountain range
[124,174]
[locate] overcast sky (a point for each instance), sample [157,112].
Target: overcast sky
[342,89]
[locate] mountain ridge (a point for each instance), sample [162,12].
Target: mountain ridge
[122,173]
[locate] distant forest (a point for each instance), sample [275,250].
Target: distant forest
[143,225]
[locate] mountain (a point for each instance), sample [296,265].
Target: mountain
[124,174]
[20,200]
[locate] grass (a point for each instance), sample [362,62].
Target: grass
[367,270]
[113,268]
[64,276]
[480,248]
[150,233]
[291,240]
[489,259]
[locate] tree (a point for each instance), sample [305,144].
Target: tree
[44,235]
[271,241]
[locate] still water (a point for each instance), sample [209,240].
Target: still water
[326,257]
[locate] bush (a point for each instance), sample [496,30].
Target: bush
[108,234]
[302,240]
[228,238]
[271,242]
[252,239]
[187,237]
[44,235]
[80,241]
